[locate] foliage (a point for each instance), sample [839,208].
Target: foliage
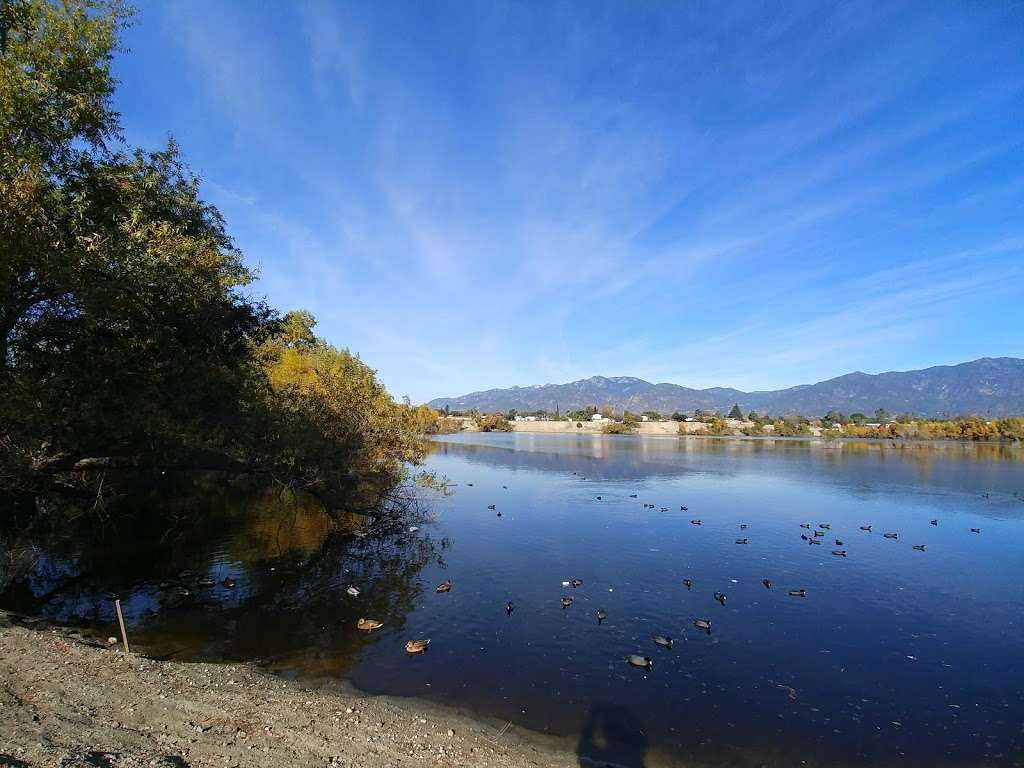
[677,416]
[790,427]
[124,335]
[619,427]
[493,422]
[717,426]
[736,413]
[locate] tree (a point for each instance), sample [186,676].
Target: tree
[835,417]
[125,338]
[881,416]
[677,416]
[859,419]
[736,413]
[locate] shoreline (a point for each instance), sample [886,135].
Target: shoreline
[65,696]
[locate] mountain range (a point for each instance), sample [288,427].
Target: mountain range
[991,386]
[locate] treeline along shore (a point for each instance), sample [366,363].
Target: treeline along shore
[129,345]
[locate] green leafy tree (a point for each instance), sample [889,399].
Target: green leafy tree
[736,413]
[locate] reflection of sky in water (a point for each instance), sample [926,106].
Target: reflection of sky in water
[895,656]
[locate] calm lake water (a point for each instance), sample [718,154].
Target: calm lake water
[894,656]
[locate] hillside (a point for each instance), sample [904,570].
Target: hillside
[989,387]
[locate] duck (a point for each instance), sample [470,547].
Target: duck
[696,522]
[444,586]
[819,533]
[866,528]
[805,525]
[826,526]
[664,509]
[417,646]
[205,581]
[767,583]
[505,487]
[839,542]
[566,583]
[601,615]
[813,541]
[598,498]
[492,507]
[935,522]
[633,495]
[229,583]
[469,484]
[184,591]
[499,513]
[839,552]
[662,640]
[684,509]
[509,608]
[687,583]
[803,536]
[890,535]
[566,602]
[413,528]
[919,547]
[639,661]
[720,597]
[704,625]
[368,625]
[576,583]
[975,530]
[741,541]
[743,526]
[352,591]
[801,592]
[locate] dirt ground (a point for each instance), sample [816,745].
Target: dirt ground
[70,701]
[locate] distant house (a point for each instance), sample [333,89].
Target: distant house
[597,417]
[644,418]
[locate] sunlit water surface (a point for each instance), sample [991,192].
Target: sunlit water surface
[894,657]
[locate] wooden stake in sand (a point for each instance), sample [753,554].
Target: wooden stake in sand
[120,620]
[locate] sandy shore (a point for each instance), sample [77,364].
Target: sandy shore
[68,700]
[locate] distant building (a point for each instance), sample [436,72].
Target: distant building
[597,417]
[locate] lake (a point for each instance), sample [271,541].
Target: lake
[894,656]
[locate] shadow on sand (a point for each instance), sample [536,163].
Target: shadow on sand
[611,736]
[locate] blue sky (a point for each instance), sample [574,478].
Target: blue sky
[481,194]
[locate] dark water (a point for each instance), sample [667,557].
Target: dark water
[894,657]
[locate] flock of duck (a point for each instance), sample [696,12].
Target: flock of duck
[819,532]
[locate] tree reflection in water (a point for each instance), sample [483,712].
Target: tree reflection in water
[289,560]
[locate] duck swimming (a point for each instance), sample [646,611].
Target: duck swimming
[662,640]
[720,597]
[919,547]
[935,522]
[975,530]
[866,528]
[743,526]
[826,526]
[566,602]
[444,586]
[352,591]
[229,583]
[601,615]
[696,522]
[767,583]
[417,646]
[492,506]
[598,498]
[890,535]
[839,542]
[805,525]
[509,608]
[205,581]
[687,583]
[813,541]
[632,495]
[576,583]
[819,533]
[839,552]
[368,625]
[664,509]
[798,592]
[741,541]
[704,625]
[639,661]
[684,509]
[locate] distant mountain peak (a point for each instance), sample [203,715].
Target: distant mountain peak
[989,386]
